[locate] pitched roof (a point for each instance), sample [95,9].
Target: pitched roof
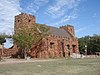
[58,31]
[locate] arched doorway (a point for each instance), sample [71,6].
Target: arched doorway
[68,47]
[63,52]
[74,48]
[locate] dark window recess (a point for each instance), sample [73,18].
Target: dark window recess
[29,20]
[18,20]
[68,47]
[71,30]
[51,45]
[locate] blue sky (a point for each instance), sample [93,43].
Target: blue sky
[82,14]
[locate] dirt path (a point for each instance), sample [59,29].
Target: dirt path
[12,61]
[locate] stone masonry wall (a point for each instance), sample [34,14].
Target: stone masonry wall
[45,51]
[23,20]
[8,52]
[53,46]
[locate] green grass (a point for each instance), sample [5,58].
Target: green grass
[58,67]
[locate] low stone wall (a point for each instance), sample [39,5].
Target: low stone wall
[0,52]
[7,52]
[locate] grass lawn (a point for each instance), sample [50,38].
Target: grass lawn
[58,67]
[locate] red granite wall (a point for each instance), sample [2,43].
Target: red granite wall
[58,49]
[23,19]
[53,46]
[0,52]
[8,52]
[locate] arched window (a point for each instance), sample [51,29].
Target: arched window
[51,44]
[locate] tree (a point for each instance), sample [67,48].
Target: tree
[2,39]
[82,42]
[27,37]
[92,42]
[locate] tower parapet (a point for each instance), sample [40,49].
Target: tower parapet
[69,29]
[23,19]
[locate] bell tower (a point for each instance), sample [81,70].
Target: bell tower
[69,29]
[23,19]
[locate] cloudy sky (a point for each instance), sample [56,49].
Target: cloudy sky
[84,15]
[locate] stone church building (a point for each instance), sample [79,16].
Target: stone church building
[61,42]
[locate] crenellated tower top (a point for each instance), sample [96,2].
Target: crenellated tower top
[23,19]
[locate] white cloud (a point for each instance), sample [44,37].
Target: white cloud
[79,30]
[88,27]
[60,7]
[94,15]
[65,19]
[68,18]
[34,5]
[8,9]
[40,2]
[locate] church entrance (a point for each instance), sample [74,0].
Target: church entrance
[74,48]
[68,47]
[63,52]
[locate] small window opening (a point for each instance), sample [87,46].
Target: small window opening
[18,20]
[29,20]
[51,45]
[68,47]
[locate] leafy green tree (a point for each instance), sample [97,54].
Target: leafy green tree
[2,39]
[92,42]
[27,37]
[82,42]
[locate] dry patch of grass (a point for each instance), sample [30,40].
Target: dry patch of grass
[58,67]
